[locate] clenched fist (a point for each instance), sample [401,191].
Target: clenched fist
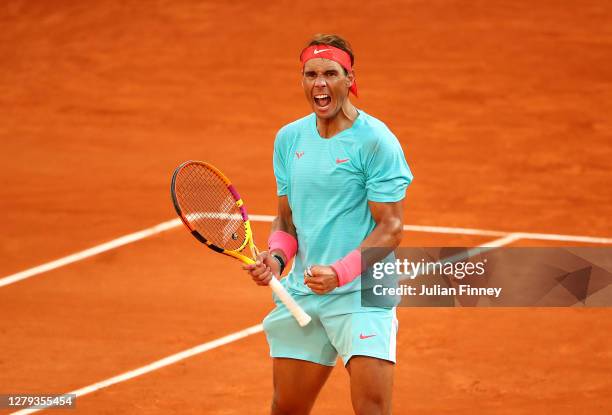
[321,279]
[264,267]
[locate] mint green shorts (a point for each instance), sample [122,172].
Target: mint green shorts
[339,326]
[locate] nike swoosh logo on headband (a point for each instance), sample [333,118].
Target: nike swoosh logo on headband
[317,51]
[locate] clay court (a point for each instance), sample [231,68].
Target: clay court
[503,112]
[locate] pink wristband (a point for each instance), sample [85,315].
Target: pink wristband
[348,268]
[283,241]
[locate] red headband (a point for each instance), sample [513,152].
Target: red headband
[332,53]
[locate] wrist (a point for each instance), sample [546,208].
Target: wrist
[281,261]
[284,242]
[337,278]
[348,268]
[280,253]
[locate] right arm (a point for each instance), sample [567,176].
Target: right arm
[266,265]
[283,222]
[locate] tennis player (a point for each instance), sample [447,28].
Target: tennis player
[341,179]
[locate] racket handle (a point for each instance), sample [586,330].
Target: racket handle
[297,311]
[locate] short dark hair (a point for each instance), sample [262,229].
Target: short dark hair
[335,41]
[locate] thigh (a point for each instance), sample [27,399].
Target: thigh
[296,385]
[371,384]
[288,340]
[360,331]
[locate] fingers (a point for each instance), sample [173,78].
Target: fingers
[316,284]
[313,283]
[308,272]
[261,275]
[310,279]
[260,272]
[262,257]
[317,287]
[320,279]
[263,278]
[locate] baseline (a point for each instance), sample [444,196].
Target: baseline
[164,226]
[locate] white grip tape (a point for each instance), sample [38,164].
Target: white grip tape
[299,314]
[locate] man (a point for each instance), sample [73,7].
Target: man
[341,179]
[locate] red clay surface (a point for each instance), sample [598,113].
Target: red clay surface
[502,109]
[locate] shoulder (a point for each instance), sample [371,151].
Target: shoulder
[292,130]
[373,134]
[372,123]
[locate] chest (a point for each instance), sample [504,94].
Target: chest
[318,166]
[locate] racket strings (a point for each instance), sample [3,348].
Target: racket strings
[209,207]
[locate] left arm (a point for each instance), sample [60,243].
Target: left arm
[389,225]
[387,234]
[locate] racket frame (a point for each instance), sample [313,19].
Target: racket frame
[248,240]
[300,315]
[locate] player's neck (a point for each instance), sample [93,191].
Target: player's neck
[342,121]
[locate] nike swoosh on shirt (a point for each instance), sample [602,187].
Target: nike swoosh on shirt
[361,336]
[338,161]
[317,51]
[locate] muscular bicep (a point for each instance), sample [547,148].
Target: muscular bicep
[386,212]
[389,223]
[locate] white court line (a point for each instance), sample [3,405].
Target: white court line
[166,361]
[98,249]
[469,252]
[505,240]
[459,231]
[482,232]
[164,226]
[523,235]
[565,238]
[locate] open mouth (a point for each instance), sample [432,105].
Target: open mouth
[322,100]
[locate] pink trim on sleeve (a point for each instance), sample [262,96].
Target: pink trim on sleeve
[283,241]
[348,268]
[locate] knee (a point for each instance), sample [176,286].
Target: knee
[371,404]
[289,406]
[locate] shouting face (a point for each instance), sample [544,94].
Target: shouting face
[326,86]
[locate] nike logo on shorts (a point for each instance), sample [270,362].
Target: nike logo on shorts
[362,336]
[340,161]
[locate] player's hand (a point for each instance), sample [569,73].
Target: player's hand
[262,270]
[321,279]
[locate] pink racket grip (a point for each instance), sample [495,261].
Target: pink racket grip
[300,315]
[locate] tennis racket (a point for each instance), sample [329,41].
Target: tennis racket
[211,208]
